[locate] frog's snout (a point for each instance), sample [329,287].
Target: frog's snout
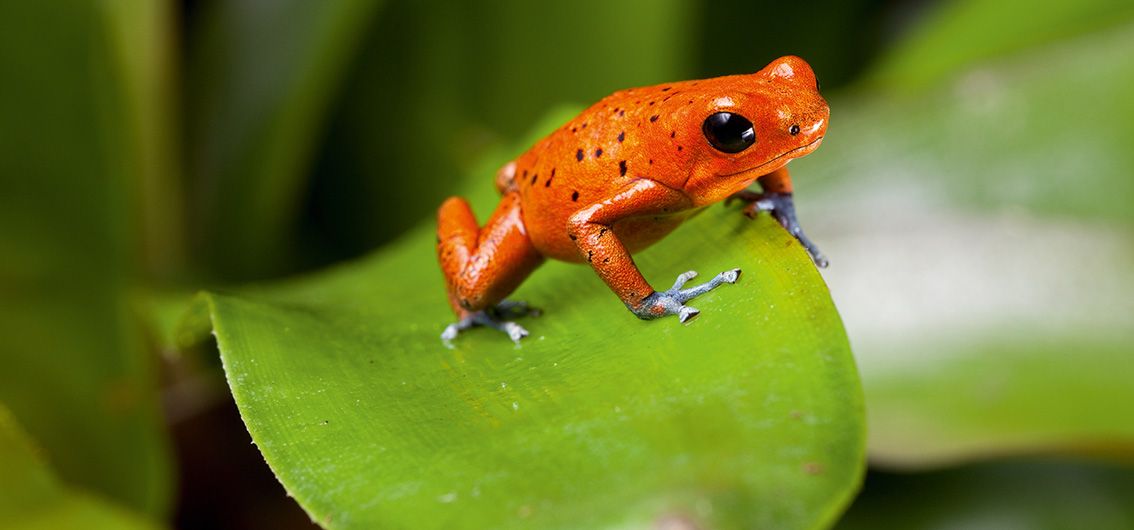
[815,129]
[814,124]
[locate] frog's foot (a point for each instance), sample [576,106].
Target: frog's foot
[782,208]
[672,302]
[494,318]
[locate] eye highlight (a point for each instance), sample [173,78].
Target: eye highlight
[728,132]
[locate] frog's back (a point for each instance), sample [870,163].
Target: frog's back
[592,157]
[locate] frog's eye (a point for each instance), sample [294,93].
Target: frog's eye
[793,130]
[728,132]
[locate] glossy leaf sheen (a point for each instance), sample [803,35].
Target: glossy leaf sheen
[750,416]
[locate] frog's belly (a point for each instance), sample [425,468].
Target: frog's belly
[550,235]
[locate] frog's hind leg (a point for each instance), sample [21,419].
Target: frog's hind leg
[493,317]
[483,265]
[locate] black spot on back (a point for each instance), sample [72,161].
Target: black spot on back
[621,136]
[598,152]
[579,155]
[622,168]
[574,196]
[654,118]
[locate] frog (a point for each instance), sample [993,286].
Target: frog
[622,175]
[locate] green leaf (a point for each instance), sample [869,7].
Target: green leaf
[141,48]
[960,34]
[73,368]
[982,249]
[261,75]
[1037,495]
[992,399]
[748,417]
[32,497]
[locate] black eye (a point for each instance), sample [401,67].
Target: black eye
[793,130]
[728,132]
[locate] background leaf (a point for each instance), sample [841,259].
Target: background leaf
[32,497]
[260,77]
[598,419]
[980,238]
[1032,494]
[956,35]
[72,364]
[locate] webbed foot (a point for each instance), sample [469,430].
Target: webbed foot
[495,318]
[672,302]
[782,208]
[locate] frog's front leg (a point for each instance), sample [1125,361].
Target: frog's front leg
[777,200]
[483,265]
[590,229]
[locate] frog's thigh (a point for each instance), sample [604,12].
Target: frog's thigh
[482,271]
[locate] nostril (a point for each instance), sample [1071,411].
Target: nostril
[793,130]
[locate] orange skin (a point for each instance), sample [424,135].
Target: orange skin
[622,175]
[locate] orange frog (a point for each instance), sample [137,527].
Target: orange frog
[622,175]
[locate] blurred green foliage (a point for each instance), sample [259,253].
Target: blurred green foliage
[997,207]
[170,146]
[1018,494]
[259,79]
[963,33]
[75,167]
[32,497]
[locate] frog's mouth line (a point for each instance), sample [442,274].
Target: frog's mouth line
[814,144]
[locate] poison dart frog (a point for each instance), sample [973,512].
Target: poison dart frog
[622,175]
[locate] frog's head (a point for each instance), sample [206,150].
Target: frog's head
[747,126]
